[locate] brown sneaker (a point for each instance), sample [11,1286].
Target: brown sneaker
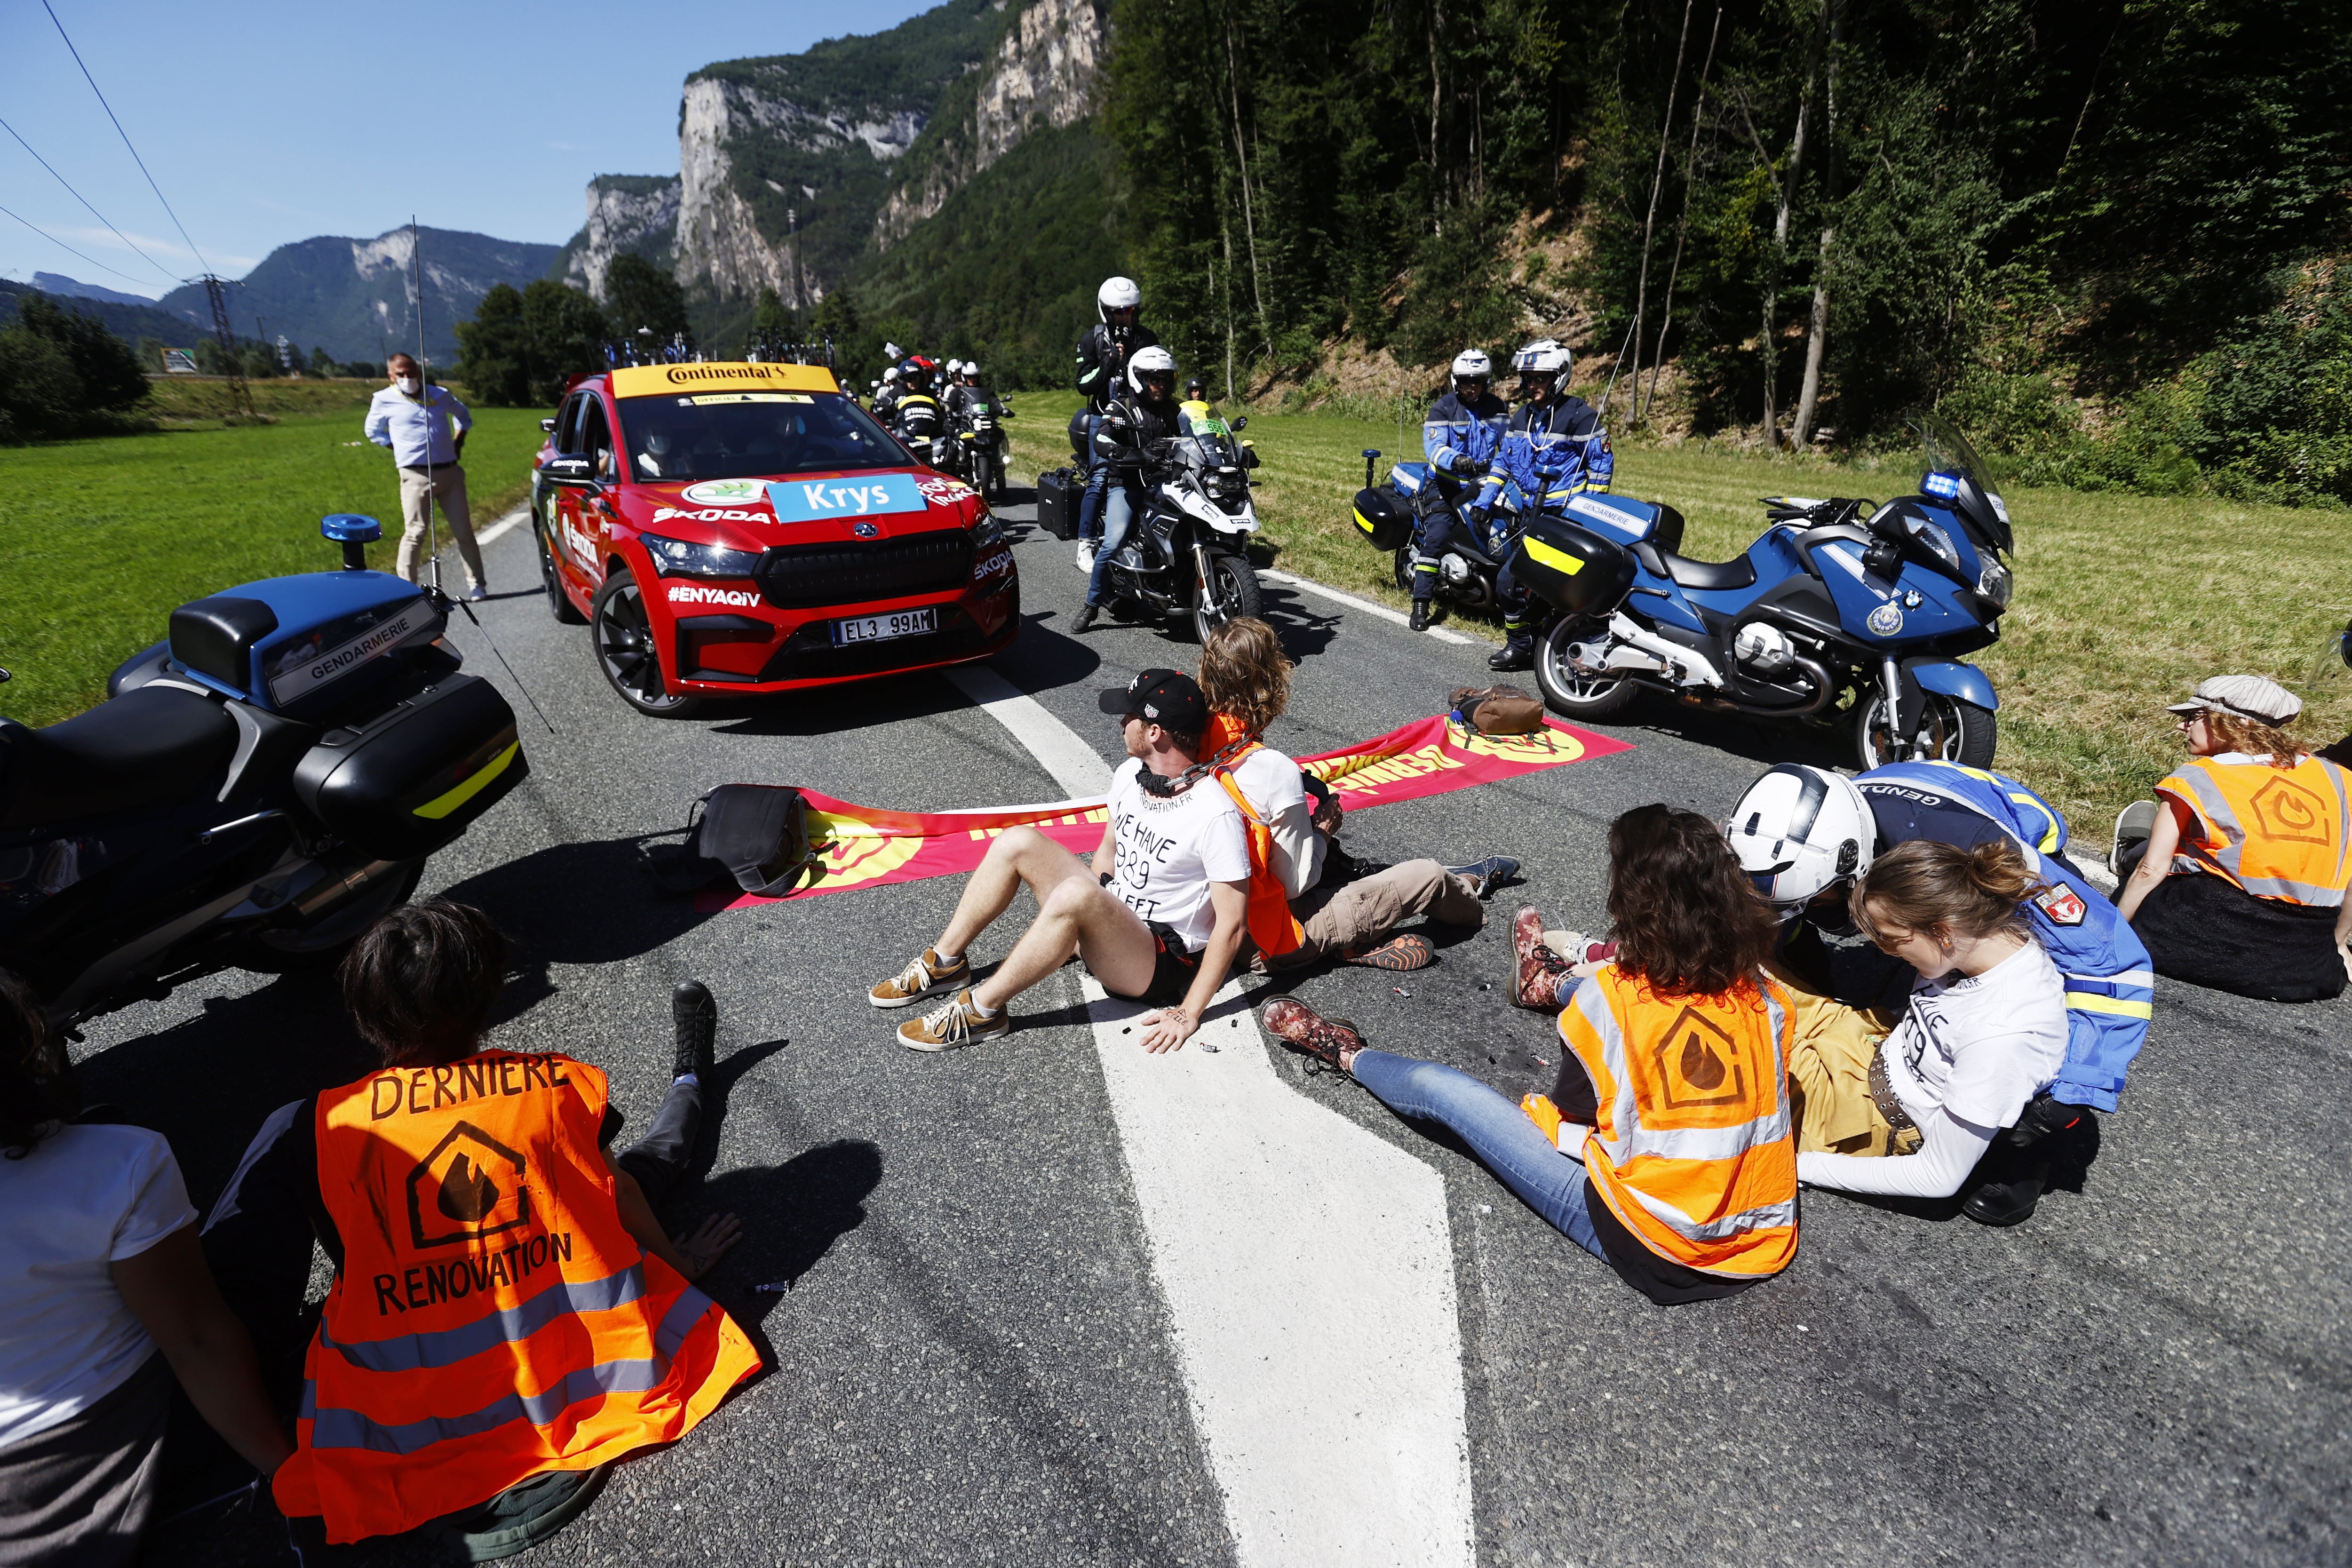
[1334,1042]
[1542,971]
[919,979]
[952,1024]
[1409,951]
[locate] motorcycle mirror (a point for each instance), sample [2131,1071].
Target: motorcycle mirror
[1242,423]
[5,676]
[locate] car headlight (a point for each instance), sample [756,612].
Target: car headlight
[987,533]
[679,558]
[1995,583]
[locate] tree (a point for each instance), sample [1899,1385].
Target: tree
[494,349]
[566,333]
[108,368]
[322,363]
[640,297]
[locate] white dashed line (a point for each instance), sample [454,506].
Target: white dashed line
[1307,1267]
[1353,603]
[503,527]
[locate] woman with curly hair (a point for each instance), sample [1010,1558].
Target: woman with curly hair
[2240,883]
[1665,1148]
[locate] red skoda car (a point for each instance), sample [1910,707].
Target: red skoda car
[729,529]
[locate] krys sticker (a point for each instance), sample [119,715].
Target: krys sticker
[806,501]
[726,492]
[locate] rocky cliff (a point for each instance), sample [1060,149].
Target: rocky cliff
[626,213]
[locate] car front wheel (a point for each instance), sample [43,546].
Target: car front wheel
[626,654]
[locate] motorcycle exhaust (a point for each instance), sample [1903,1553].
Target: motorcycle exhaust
[1688,667]
[340,890]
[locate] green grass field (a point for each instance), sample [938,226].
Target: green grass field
[2123,603]
[100,539]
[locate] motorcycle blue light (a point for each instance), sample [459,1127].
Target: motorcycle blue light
[350,527]
[1943,487]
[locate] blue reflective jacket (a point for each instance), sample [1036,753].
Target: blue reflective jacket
[1557,449]
[2110,984]
[1454,434]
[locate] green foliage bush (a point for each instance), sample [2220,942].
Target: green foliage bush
[522,344]
[62,372]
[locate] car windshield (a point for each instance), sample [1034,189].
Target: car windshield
[751,435]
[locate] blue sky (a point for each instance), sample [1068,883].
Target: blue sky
[266,123]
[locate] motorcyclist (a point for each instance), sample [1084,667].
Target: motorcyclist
[917,415]
[1196,399]
[1460,437]
[885,397]
[1142,413]
[1805,835]
[1554,445]
[1103,356]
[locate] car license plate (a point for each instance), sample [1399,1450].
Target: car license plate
[882,629]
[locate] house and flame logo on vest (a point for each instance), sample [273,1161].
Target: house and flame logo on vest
[468,1187]
[1699,1065]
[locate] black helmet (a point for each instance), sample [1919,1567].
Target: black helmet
[1194,386]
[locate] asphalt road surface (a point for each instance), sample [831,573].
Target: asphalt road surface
[1050,1301]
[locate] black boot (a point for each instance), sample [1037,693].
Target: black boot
[1421,615]
[2017,1167]
[1518,653]
[696,1016]
[1087,616]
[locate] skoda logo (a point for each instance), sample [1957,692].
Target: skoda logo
[1885,620]
[863,530]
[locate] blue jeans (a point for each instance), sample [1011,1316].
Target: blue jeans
[1497,1131]
[1122,503]
[1090,500]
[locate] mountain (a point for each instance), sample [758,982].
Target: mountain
[60,285]
[356,296]
[129,321]
[626,213]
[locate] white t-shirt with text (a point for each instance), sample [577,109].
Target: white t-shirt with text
[1980,1047]
[1271,782]
[1169,851]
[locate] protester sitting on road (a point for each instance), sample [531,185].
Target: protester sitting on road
[2235,877]
[1807,835]
[1665,1148]
[508,1316]
[104,1300]
[1305,908]
[1159,914]
[1914,1114]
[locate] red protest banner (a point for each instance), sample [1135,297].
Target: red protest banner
[866,847]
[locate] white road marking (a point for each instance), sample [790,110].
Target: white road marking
[1074,764]
[1353,603]
[1307,1266]
[503,527]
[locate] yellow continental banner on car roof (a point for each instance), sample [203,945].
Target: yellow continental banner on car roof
[648,379]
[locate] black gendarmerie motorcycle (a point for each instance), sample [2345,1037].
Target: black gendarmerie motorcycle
[256,790]
[977,456]
[1186,559]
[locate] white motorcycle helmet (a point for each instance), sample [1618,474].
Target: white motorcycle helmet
[1798,831]
[972,370]
[954,365]
[890,377]
[1472,364]
[1150,361]
[1544,360]
[1116,294]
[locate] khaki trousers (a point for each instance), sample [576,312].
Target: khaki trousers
[448,489]
[1367,909]
[1829,1077]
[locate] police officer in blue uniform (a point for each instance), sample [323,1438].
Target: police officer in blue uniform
[1554,446]
[1460,436]
[1805,835]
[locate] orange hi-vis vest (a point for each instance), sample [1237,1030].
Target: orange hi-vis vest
[2278,833]
[1691,1147]
[1271,924]
[492,1319]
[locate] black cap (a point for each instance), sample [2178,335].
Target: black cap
[1168,697]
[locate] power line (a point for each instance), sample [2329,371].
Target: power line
[126,137]
[84,200]
[69,250]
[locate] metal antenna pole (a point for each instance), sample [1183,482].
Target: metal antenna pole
[425,392]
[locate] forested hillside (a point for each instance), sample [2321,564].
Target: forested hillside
[2105,232]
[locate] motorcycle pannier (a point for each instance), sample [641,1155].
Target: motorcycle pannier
[1572,569]
[411,780]
[1058,502]
[1382,517]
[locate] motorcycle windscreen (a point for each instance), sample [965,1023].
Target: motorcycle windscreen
[1570,568]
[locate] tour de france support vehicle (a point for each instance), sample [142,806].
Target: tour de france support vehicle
[1186,559]
[1842,613]
[256,790]
[730,530]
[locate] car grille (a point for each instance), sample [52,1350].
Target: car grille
[796,577]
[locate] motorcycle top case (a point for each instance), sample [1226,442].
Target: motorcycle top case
[1574,569]
[1633,518]
[1058,502]
[1382,518]
[411,780]
[303,645]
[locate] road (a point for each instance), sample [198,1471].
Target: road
[1049,1300]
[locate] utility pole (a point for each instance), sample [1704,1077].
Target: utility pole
[240,397]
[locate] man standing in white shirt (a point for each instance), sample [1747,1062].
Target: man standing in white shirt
[425,428]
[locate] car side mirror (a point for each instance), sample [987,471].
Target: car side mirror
[548,424]
[578,473]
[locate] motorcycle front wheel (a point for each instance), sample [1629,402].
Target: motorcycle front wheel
[1950,730]
[1230,594]
[1569,692]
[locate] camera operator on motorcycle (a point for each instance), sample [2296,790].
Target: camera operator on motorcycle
[1196,404]
[1806,835]
[1103,359]
[1142,413]
[1460,437]
[1554,445]
[916,416]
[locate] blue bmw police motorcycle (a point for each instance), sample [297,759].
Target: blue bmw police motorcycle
[256,790]
[1843,612]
